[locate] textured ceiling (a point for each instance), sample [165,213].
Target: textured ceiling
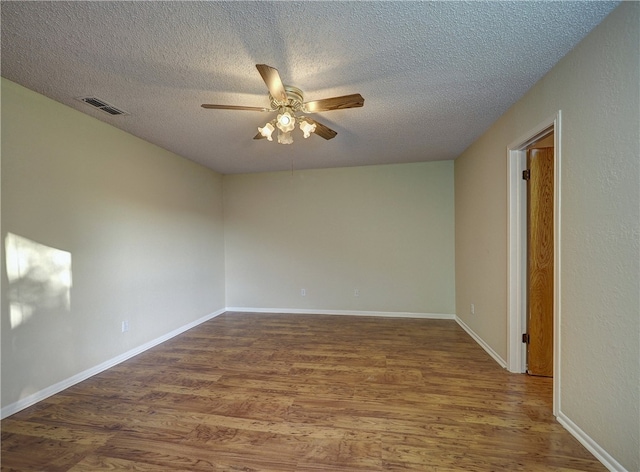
[434,75]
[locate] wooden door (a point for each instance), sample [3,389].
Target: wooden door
[540,162]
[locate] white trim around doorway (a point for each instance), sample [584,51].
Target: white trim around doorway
[516,255]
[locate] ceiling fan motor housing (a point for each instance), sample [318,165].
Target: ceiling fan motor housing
[295,99]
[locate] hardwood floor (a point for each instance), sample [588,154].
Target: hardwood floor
[258,392]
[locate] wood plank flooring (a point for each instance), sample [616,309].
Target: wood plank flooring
[280,393]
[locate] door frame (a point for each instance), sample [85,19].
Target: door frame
[517,250]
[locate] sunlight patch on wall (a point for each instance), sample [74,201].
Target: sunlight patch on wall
[39,278]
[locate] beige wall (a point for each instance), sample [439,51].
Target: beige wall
[99,227]
[384,230]
[596,86]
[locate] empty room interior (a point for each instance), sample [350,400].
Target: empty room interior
[317,236]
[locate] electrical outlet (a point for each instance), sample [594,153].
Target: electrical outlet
[125,326]
[303,292]
[473,309]
[356,292]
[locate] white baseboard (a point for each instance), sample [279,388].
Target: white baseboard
[592,446]
[385,314]
[483,344]
[64,384]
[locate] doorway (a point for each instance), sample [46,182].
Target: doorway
[517,292]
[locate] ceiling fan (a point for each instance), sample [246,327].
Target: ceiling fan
[289,102]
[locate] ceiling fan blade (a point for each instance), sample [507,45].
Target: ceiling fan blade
[336,103]
[233,107]
[322,130]
[274,83]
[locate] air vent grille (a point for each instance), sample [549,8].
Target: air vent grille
[112,111]
[102,105]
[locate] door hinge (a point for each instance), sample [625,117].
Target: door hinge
[525,338]
[526,174]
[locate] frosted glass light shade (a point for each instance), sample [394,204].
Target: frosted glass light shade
[266,131]
[307,128]
[286,122]
[285,137]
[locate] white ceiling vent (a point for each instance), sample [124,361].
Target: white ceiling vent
[102,105]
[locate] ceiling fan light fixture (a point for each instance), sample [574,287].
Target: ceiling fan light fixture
[288,102]
[267,131]
[307,128]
